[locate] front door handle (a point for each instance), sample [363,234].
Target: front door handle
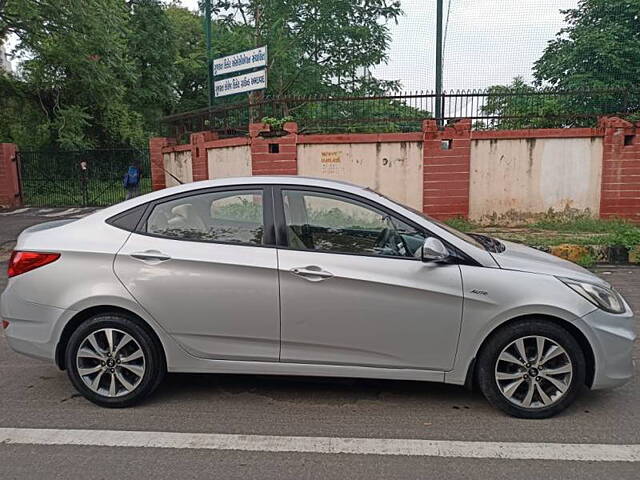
[152,256]
[311,273]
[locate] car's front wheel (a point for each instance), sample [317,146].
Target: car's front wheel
[113,361]
[531,369]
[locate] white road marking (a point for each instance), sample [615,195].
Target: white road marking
[14,212]
[69,211]
[327,445]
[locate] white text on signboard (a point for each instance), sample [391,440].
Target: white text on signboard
[241,61]
[241,83]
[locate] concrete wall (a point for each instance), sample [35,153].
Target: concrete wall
[179,165]
[512,179]
[229,162]
[393,169]
[506,176]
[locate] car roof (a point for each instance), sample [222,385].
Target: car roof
[235,181]
[276,179]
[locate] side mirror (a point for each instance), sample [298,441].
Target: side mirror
[433,250]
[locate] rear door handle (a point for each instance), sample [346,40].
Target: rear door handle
[311,273]
[151,256]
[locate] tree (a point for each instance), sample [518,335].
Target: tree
[152,44]
[598,48]
[316,47]
[519,105]
[595,55]
[190,74]
[101,73]
[77,70]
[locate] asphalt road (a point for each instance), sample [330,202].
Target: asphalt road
[35,394]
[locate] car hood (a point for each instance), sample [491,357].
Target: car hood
[527,259]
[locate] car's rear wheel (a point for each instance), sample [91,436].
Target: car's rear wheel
[113,361]
[531,369]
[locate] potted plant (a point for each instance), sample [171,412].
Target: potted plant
[275,126]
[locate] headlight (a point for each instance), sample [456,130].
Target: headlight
[605,298]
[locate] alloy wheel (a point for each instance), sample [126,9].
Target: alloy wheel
[533,372]
[110,362]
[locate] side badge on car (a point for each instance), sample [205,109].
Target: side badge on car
[479,292]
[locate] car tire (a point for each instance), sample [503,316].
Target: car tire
[499,373]
[128,374]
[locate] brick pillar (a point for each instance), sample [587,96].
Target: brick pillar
[274,155]
[446,167]
[9,177]
[158,181]
[620,187]
[199,159]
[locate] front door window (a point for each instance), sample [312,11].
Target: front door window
[331,223]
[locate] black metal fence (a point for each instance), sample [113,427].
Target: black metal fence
[496,108]
[79,178]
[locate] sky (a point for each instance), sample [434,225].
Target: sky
[488,42]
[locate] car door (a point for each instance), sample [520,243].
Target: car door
[204,265]
[353,289]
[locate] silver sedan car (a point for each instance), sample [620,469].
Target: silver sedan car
[300,276]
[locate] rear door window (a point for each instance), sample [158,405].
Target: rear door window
[228,217]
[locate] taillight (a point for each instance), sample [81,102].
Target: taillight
[21,262]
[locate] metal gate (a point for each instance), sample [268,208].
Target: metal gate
[86,178]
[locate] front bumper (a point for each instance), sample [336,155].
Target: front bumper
[612,338]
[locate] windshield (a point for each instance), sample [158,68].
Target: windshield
[457,233]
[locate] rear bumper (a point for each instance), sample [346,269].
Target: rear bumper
[32,327]
[613,338]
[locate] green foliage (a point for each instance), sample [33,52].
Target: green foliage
[338,218]
[582,225]
[102,193]
[100,73]
[534,109]
[316,47]
[554,229]
[155,62]
[587,261]
[244,210]
[627,238]
[462,224]
[596,50]
[76,73]
[276,124]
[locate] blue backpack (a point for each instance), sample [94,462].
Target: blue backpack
[131,178]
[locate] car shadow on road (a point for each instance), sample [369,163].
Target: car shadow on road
[298,389]
[263,390]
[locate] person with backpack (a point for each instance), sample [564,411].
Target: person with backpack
[131,182]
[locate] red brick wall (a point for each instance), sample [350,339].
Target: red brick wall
[446,171]
[9,179]
[285,162]
[199,160]
[156,145]
[620,195]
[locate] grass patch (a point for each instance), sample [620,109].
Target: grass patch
[587,261]
[462,224]
[553,230]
